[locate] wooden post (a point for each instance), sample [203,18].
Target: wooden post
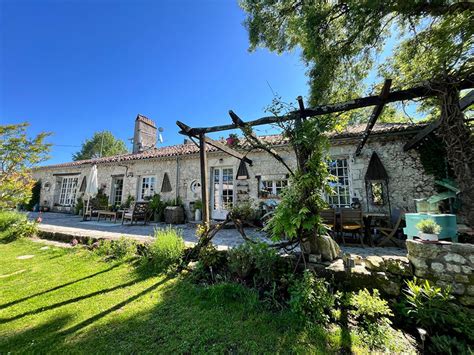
[204,178]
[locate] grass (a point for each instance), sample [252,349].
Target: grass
[69,300]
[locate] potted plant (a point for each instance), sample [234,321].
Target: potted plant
[197,210]
[428,230]
[232,140]
[157,207]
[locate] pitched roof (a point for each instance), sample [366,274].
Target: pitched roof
[276,139]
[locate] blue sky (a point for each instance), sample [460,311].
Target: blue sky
[75,67]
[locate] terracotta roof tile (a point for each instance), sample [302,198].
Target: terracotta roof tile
[276,139]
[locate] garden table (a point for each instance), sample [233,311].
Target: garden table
[107,214]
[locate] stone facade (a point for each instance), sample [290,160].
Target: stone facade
[407,179]
[445,264]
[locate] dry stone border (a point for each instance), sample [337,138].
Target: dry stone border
[445,264]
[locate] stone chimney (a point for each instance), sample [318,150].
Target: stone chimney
[144,137]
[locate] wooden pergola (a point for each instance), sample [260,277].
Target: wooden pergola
[377,101]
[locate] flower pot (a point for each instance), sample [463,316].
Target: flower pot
[428,236]
[197,215]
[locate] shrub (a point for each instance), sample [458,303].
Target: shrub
[428,226]
[433,309]
[371,312]
[166,250]
[15,225]
[210,257]
[255,262]
[445,344]
[310,298]
[117,249]
[427,304]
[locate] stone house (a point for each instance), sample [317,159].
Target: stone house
[174,171]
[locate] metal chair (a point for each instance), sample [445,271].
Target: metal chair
[352,222]
[139,211]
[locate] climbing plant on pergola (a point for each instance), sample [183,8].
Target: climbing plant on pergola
[377,101]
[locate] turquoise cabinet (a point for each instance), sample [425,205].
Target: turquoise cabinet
[446,221]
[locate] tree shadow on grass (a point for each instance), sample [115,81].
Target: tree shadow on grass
[173,318]
[9,304]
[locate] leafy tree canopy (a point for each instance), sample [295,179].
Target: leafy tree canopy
[102,144]
[342,40]
[18,154]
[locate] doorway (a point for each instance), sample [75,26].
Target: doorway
[222,192]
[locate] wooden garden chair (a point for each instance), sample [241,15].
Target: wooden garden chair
[139,211]
[328,217]
[389,234]
[352,222]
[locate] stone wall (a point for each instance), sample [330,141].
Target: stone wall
[445,264]
[407,178]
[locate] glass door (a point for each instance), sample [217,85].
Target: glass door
[222,192]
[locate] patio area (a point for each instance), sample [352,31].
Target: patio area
[227,238]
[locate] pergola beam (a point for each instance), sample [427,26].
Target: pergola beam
[427,90]
[375,115]
[226,149]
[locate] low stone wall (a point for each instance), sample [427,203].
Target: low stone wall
[354,271]
[445,264]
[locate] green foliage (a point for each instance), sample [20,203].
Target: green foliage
[166,250]
[428,226]
[210,257]
[102,144]
[79,205]
[341,41]
[255,263]
[310,298]
[122,248]
[157,206]
[15,225]
[297,214]
[245,211]
[371,312]
[432,308]
[18,154]
[128,202]
[445,344]
[369,307]
[35,196]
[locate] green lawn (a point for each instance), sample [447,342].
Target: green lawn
[68,300]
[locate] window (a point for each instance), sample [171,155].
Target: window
[67,195]
[117,189]
[341,196]
[147,188]
[273,187]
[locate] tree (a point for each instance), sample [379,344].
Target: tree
[18,154]
[102,144]
[342,40]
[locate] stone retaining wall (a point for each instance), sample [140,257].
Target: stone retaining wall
[445,264]
[354,272]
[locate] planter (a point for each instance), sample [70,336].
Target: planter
[197,215]
[428,236]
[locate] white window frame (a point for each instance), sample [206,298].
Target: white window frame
[113,195]
[151,191]
[275,190]
[348,175]
[67,190]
